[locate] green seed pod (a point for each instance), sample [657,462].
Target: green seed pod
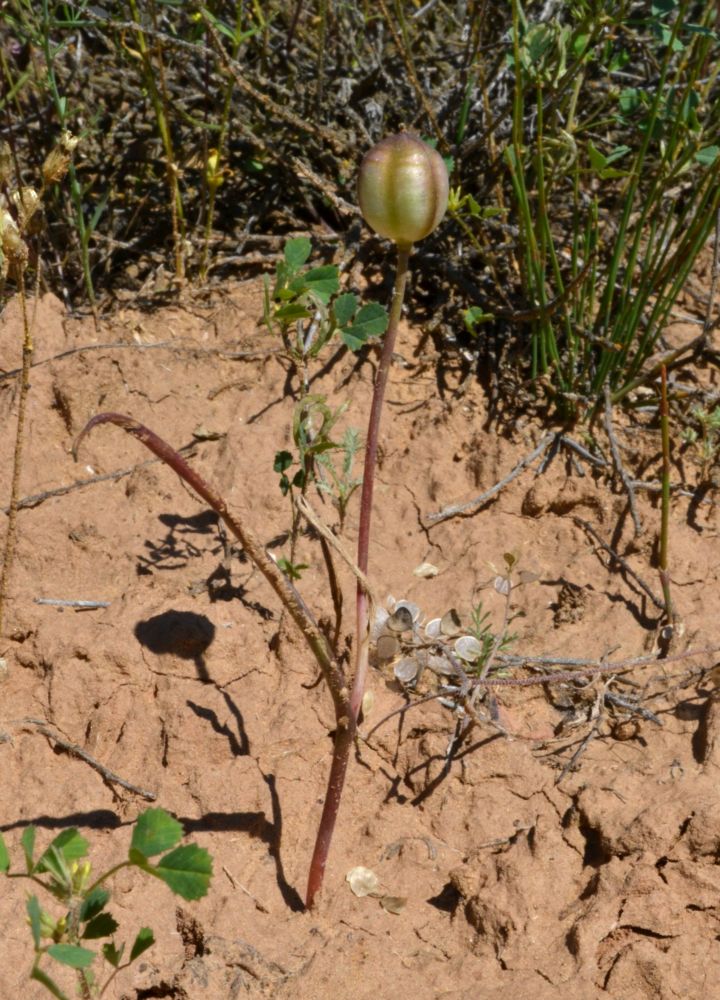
[403,189]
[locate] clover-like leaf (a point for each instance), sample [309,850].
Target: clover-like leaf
[113,954]
[344,308]
[144,940]
[34,914]
[297,251]
[155,831]
[93,903]
[103,925]
[27,842]
[186,870]
[72,955]
[371,321]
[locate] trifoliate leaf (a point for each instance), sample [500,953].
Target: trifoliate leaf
[103,925]
[344,308]
[27,842]
[144,940]
[34,913]
[155,831]
[297,251]
[371,321]
[72,955]
[93,904]
[113,954]
[707,156]
[322,281]
[4,856]
[186,870]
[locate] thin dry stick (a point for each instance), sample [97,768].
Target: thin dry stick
[461,508]
[665,503]
[589,668]
[108,775]
[401,45]
[174,346]
[622,562]
[619,467]
[10,537]
[714,275]
[35,499]
[275,110]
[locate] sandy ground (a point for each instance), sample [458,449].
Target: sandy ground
[524,877]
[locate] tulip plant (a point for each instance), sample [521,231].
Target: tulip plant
[403,193]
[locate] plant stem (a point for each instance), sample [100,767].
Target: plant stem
[11,535]
[368,483]
[665,510]
[347,724]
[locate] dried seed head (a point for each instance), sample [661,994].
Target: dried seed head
[55,166]
[58,159]
[6,164]
[26,203]
[403,189]
[13,249]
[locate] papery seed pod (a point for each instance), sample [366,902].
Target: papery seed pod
[14,253]
[55,166]
[6,164]
[405,671]
[403,189]
[26,202]
[468,648]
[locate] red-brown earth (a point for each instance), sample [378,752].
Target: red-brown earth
[523,877]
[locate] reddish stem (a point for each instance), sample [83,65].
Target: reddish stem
[347,726]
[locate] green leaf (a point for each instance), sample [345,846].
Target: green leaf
[112,954]
[629,100]
[72,955]
[69,843]
[661,8]
[27,841]
[344,308]
[155,831]
[4,856]
[54,862]
[580,43]
[33,909]
[145,939]
[617,153]
[297,251]
[186,870]
[475,315]
[283,461]
[93,904]
[597,160]
[291,312]
[42,977]
[103,925]
[371,321]
[322,281]
[707,156]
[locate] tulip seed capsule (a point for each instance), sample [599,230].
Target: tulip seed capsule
[403,189]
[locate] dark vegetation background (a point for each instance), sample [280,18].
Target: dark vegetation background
[584,185]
